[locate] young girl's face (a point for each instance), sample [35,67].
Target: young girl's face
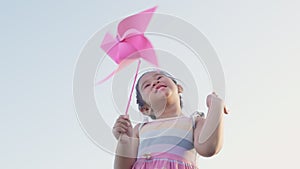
[157,90]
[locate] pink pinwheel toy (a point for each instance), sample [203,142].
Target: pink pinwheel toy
[130,44]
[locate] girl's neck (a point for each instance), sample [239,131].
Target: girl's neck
[169,111]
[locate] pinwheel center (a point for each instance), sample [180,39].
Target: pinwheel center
[119,39]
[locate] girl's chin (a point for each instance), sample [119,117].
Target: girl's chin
[159,97]
[162,91]
[158,102]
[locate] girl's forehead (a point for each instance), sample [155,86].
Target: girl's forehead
[149,75]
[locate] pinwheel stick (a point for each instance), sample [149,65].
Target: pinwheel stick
[132,88]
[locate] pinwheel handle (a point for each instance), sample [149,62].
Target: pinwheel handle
[132,88]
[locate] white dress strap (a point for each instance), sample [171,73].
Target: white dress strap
[195,115]
[145,120]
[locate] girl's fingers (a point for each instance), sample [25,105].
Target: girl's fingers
[123,121]
[215,94]
[225,110]
[121,130]
[122,126]
[124,117]
[209,100]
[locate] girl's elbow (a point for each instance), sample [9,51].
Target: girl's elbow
[208,151]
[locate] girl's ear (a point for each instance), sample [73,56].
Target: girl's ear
[145,109]
[180,88]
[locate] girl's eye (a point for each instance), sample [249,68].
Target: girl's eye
[146,86]
[159,77]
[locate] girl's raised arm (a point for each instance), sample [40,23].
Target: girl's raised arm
[208,134]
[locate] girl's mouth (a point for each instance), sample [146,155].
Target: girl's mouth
[160,86]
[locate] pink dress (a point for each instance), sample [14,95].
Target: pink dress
[167,144]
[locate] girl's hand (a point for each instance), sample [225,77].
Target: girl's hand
[209,99]
[122,126]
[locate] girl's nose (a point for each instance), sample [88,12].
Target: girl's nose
[155,83]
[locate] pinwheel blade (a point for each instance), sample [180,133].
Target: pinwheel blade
[139,22]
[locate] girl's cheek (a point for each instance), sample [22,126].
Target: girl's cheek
[144,96]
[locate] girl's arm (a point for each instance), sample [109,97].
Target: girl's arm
[128,141]
[208,134]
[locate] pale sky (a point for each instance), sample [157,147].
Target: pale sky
[257,43]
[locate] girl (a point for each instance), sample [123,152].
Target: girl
[170,140]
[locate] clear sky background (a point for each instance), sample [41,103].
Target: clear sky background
[258,44]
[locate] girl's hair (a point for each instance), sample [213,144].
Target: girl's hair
[139,99]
